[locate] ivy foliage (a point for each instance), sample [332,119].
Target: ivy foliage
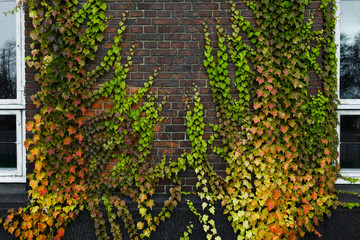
[279,143]
[71,150]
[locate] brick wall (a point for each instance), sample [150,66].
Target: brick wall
[167,33]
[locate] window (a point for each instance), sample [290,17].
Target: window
[348,40]
[12,101]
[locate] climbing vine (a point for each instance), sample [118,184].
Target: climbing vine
[69,150]
[279,141]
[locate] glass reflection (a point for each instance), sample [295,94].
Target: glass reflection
[350,141]
[350,49]
[8,141]
[7,51]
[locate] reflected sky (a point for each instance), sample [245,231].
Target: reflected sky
[8,22]
[350,18]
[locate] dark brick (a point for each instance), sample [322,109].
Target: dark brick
[150,6]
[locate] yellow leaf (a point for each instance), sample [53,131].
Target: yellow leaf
[140,225]
[38,165]
[150,203]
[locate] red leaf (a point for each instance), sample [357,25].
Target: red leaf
[68,158]
[83,109]
[69,76]
[260,81]
[286,72]
[307,208]
[275,228]
[79,137]
[51,151]
[76,102]
[77,58]
[78,152]
[72,169]
[81,174]
[256,119]
[324,141]
[42,190]
[70,116]
[257,105]
[52,127]
[259,92]
[61,232]
[79,122]
[253,130]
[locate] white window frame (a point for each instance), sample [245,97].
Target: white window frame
[17,106]
[346,106]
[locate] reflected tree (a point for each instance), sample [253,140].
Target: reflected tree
[8,70]
[349,66]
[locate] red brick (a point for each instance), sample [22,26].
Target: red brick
[206,6]
[182,6]
[165,21]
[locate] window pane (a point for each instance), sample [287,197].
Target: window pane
[7,141]
[7,51]
[350,49]
[350,141]
[7,155]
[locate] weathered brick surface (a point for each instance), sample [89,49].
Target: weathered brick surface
[167,33]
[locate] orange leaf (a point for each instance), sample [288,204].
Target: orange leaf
[253,130]
[36,138]
[256,105]
[67,141]
[61,232]
[71,178]
[71,130]
[270,203]
[230,190]
[38,165]
[275,228]
[29,126]
[27,143]
[37,118]
[326,151]
[284,129]
[277,194]
[142,197]
[34,151]
[306,208]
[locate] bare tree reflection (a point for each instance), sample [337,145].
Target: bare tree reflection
[8,70]
[349,67]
